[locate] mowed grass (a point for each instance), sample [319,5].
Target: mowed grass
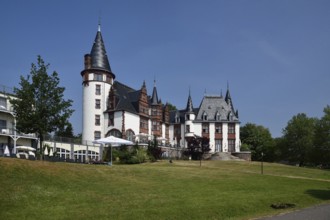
[161,190]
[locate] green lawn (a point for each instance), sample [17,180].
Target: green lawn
[181,190]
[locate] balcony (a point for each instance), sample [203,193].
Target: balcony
[6,109]
[4,131]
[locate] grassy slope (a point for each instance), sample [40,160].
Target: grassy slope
[182,190]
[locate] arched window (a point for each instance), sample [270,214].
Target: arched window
[217,116]
[204,116]
[130,135]
[114,132]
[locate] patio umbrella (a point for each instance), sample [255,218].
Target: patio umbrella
[51,152]
[114,142]
[7,153]
[46,151]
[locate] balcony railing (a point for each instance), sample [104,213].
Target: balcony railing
[6,109]
[10,131]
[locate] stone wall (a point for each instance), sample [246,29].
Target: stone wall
[245,155]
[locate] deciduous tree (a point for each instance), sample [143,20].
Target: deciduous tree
[258,140]
[321,151]
[298,137]
[39,105]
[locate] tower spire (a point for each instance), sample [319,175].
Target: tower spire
[190,107]
[99,23]
[98,53]
[154,98]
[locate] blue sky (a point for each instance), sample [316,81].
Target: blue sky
[275,54]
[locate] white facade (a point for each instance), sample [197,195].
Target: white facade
[95,95]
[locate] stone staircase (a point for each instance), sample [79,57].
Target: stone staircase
[224,156]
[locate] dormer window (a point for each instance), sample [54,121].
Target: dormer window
[230,116]
[187,117]
[217,116]
[177,119]
[204,116]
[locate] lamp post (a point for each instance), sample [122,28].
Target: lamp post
[262,162]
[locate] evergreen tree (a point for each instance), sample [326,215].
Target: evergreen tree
[39,105]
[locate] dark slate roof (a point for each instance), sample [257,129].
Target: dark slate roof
[228,97]
[127,97]
[99,54]
[181,114]
[213,105]
[189,107]
[154,97]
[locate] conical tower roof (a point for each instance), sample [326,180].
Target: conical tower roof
[190,107]
[99,54]
[154,97]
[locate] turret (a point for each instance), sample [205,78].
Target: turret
[97,80]
[189,118]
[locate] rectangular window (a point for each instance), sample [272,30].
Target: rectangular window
[177,131]
[97,119]
[154,112]
[98,90]
[231,128]
[111,120]
[231,145]
[3,126]
[143,123]
[218,128]
[188,128]
[108,79]
[3,103]
[205,128]
[97,135]
[97,103]
[218,145]
[155,126]
[98,77]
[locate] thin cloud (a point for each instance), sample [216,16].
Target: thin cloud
[273,52]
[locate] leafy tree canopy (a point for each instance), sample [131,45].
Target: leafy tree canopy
[258,140]
[39,105]
[67,131]
[298,136]
[321,153]
[197,147]
[171,107]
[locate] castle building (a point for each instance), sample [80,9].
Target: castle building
[113,108]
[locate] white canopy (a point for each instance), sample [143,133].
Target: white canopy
[25,148]
[114,141]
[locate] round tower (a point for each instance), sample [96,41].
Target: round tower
[97,80]
[189,118]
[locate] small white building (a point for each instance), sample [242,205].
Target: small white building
[9,136]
